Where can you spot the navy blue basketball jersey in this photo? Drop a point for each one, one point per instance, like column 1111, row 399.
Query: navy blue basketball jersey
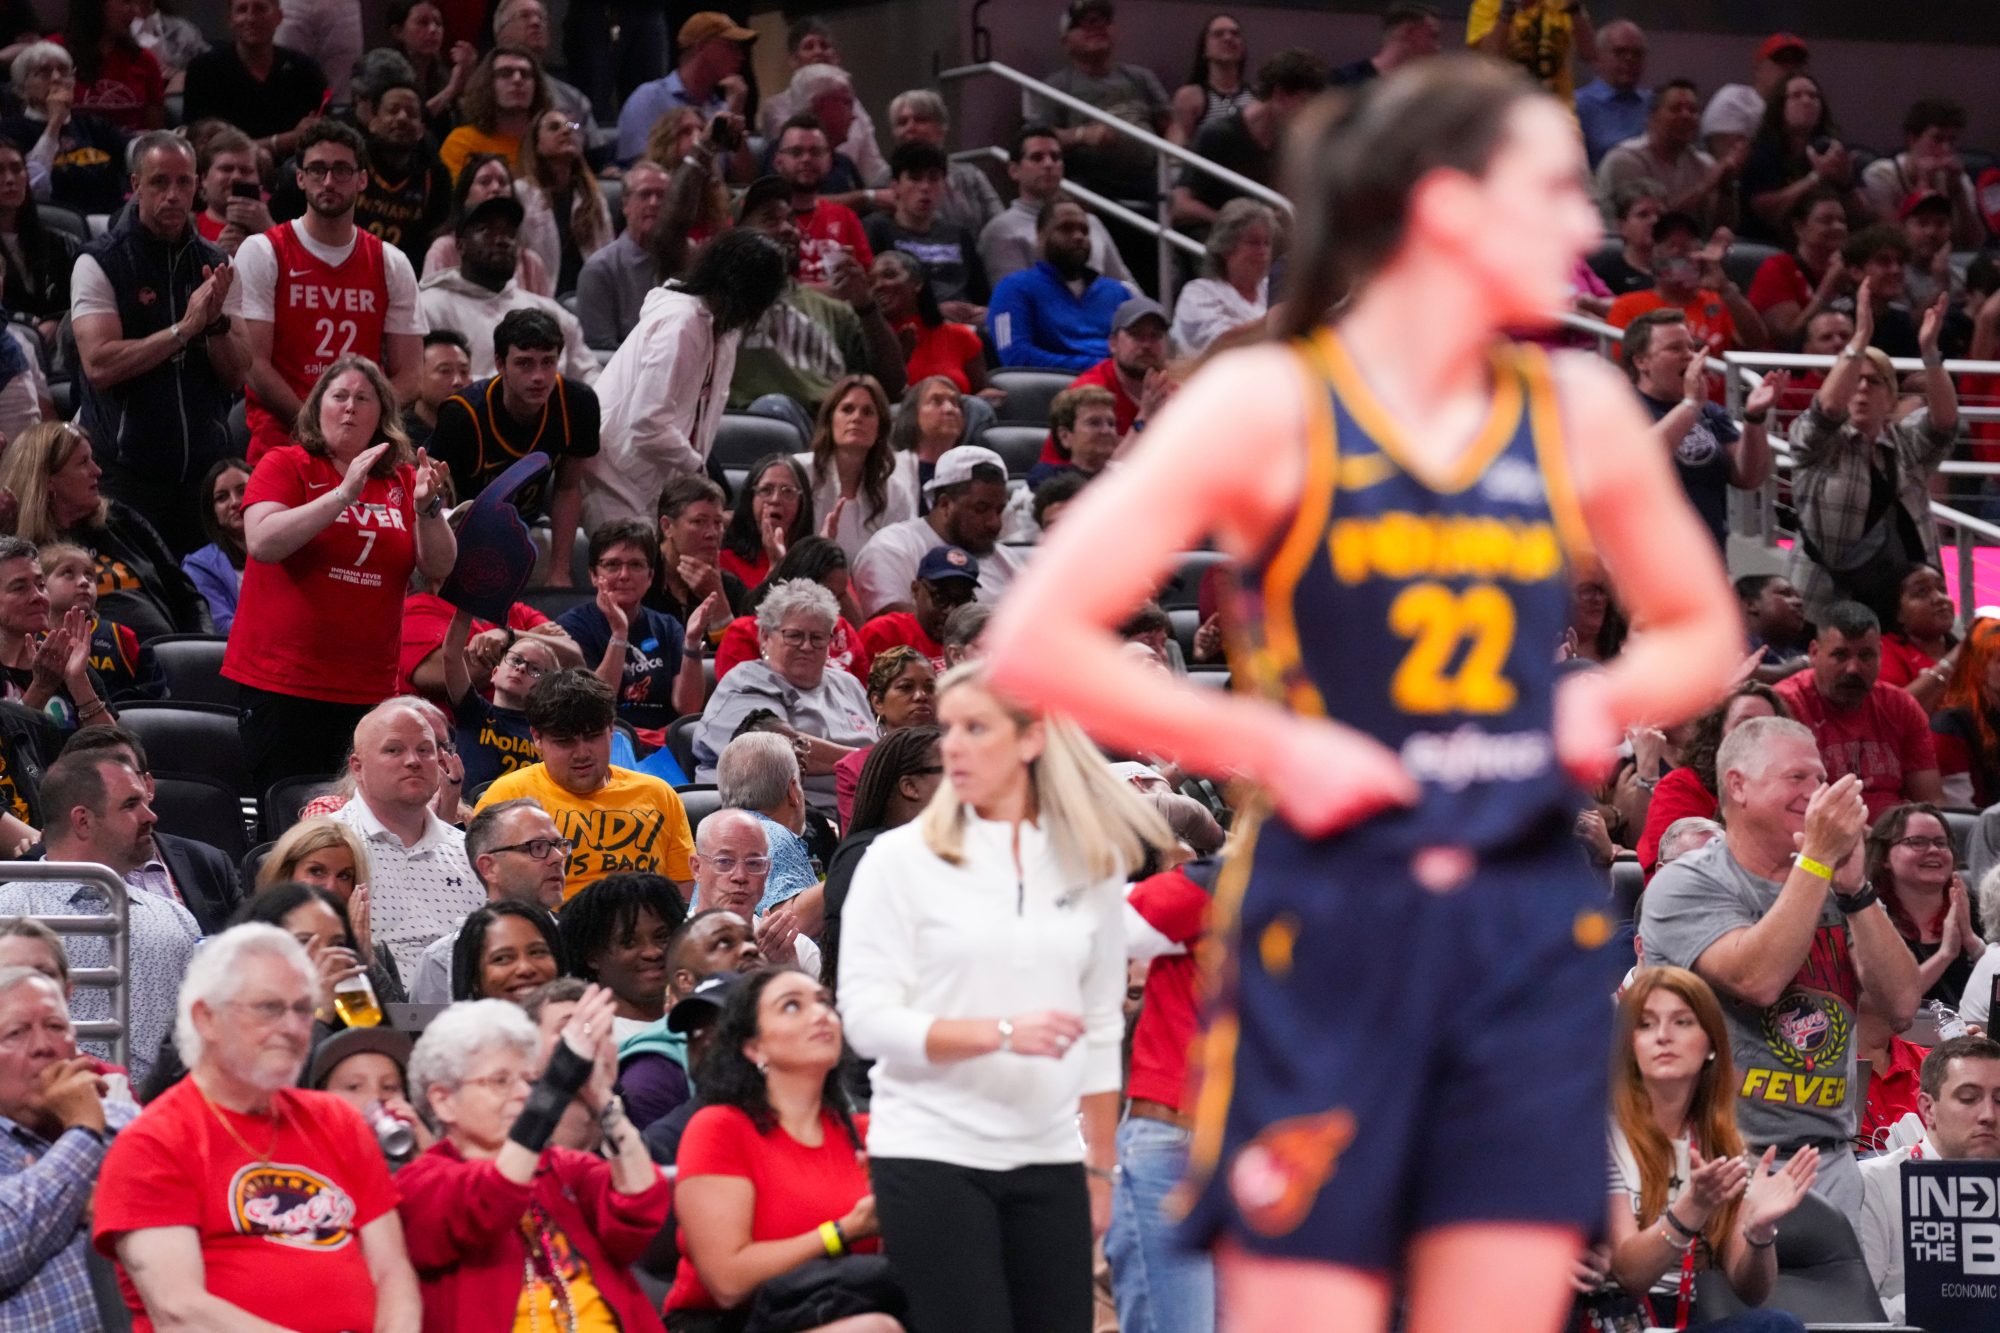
column 1426, row 611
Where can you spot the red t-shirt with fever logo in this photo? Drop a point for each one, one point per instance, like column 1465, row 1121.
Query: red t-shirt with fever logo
column 326, row 621
column 281, row 1238
column 320, row 313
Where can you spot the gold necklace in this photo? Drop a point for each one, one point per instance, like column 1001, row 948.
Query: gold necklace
column 263, row 1158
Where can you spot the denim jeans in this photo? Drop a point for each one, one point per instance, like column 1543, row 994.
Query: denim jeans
column 1160, row 1286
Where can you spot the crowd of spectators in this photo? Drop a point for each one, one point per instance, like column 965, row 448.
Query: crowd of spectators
column 577, row 916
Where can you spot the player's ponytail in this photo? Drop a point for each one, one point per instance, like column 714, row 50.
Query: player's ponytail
column 1354, row 161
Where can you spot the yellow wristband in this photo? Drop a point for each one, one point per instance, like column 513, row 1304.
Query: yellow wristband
column 829, row 1236
column 1812, row 867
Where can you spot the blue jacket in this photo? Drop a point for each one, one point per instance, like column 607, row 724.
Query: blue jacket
column 1036, row 320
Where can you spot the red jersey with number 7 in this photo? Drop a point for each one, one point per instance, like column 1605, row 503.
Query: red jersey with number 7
column 319, row 313
column 326, row 622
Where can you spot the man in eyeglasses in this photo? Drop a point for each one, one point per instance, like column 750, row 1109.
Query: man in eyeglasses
column 519, row 854
column 316, row 288
column 732, row 864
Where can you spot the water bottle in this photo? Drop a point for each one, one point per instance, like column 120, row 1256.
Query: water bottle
column 398, row 1140
column 1949, row 1024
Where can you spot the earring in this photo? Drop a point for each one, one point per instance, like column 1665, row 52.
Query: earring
column 764, row 1065
column 1709, row 1059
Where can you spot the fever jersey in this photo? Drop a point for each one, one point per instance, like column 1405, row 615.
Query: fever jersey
column 320, row 313
column 1425, row 610
column 326, row 622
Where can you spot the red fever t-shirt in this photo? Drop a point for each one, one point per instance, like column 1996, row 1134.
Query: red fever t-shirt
column 1881, row 742
column 901, row 628
column 326, row 622
column 282, row 1241
column 823, row 233
column 797, row 1187
column 320, row 313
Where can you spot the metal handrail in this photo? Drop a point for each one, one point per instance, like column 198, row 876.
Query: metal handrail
column 117, row 924
column 1165, row 152
column 1151, row 140
column 1092, row 199
column 1755, row 514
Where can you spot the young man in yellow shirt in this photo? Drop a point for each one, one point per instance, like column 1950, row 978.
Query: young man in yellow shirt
column 618, row 820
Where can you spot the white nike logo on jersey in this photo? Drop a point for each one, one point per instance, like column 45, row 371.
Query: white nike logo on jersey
column 318, row 485
column 298, row 273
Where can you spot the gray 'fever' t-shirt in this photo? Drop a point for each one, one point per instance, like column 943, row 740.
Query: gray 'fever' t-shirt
column 1794, row 1060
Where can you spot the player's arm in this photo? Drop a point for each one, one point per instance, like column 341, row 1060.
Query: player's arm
column 262, row 378
column 166, row 1267
column 1054, row 639
column 1664, row 564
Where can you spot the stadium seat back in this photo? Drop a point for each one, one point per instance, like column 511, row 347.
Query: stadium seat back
column 1183, row 589
column 280, row 808
column 1029, row 393
column 192, row 806
column 193, row 667
column 741, row 438
column 1019, row 446
column 1822, row 1277
column 192, row 738
column 699, row 799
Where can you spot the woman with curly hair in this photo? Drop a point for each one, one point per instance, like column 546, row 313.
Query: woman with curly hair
column 771, row 1172
column 334, row 525
column 902, row 689
column 505, row 951
column 1689, row 790
column 856, row 487
column 1683, row 1194
column 774, row 512
column 1910, row 864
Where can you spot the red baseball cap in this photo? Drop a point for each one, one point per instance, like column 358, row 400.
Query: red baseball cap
column 1916, row 199
column 1780, row 42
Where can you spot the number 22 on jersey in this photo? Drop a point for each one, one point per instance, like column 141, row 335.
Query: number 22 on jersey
column 1471, row 630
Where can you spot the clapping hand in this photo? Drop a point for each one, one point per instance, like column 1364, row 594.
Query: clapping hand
column 433, row 477
column 614, row 614
column 1864, row 315
column 831, row 525
column 1694, row 380
column 356, row 478
column 697, row 621
column 1771, row 1194
column 1713, row 1182
column 589, row 1024
column 1836, row 819
column 1765, row 396
column 1933, row 325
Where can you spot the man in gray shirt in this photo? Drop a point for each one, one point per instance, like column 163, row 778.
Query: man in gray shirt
column 1099, row 156
column 615, row 280
column 1007, row 243
column 1777, row 918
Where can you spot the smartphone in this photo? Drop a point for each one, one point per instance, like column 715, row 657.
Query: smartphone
column 246, row 190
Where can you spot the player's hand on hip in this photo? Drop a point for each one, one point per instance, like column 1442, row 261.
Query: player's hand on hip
column 1326, row 777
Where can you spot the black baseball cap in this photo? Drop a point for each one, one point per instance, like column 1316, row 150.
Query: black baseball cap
column 500, row 205
column 762, row 191
column 704, row 1003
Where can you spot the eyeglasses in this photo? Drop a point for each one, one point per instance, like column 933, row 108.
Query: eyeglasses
column 1925, row 844
column 775, row 491
column 520, row 663
column 274, row 1011
column 621, row 566
column 539, row 848
column 570, row 125
column 339, row 172
column 499, row 1083
column 726, row 865
column 798, row 638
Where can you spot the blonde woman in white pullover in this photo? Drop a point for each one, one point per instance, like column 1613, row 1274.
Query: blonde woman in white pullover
column 982, row 966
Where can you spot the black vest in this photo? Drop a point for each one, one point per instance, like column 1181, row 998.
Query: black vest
column 170, row 423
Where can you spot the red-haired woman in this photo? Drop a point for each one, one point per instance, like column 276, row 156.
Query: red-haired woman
column 1683, row 1195
column 1967, row 721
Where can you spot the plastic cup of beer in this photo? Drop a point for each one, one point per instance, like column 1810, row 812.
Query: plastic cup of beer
column 354, row 1000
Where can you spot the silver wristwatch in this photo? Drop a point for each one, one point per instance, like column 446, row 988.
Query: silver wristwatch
column 1006, row 1034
